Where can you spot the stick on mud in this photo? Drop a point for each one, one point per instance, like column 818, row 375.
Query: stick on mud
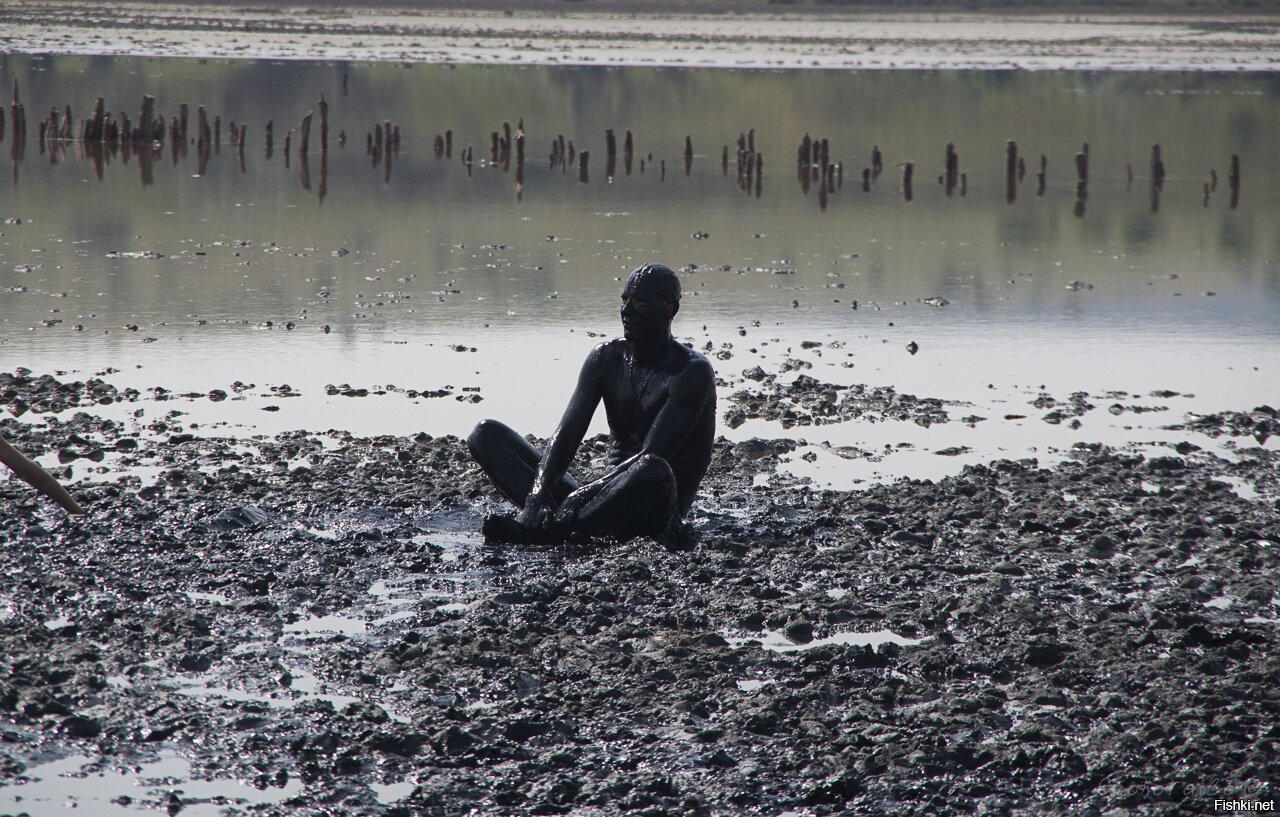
column 38, row 478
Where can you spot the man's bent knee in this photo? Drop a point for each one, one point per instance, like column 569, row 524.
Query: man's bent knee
column 486, row 433
column 652, row 467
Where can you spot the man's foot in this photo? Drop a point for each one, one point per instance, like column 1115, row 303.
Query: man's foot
column 503, row 529
column 678, row 536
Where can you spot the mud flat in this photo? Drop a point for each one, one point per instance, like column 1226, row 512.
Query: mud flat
column 620, row 36
column 309, row 623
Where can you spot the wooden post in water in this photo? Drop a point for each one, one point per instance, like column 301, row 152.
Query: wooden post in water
column 324, row 123
column 1082, row 179
column 908, row 172
column 269, row 132
column 952, row 167
column 93, row 128
column 1011, row 171
column 146, row 118
column 304, row 134
column 1234, row 180
column 202, row 123
column 18, row 114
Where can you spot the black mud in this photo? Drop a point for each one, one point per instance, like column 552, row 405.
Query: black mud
column 1095, row 638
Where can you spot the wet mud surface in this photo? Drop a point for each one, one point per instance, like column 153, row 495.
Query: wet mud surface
column 314, row 615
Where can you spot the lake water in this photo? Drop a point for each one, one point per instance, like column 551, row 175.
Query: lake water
column 412, row 270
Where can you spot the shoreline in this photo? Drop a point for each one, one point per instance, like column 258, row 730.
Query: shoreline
column 874, row 40
column 315, row 614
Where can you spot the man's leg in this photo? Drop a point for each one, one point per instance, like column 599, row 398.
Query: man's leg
column 509, row 460
column 640, row 501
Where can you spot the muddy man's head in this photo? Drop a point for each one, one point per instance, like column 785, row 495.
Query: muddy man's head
column 650, row 299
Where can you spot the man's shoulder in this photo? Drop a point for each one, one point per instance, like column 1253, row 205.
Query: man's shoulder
column 609, row 348
column 605, row 355
column 694, row 362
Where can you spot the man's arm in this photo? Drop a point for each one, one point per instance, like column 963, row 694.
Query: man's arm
column 566, row 439
column 690, row 391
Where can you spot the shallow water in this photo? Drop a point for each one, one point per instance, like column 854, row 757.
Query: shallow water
column 491, row 283
column 80, row 784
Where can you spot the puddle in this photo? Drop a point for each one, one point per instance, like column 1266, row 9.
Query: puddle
column 388, row 793
column 1240, row 487
column 212, row 598
column 453, row 544
column 776, row 641
column 320, row 626
column 89, row 787
column 752, row 684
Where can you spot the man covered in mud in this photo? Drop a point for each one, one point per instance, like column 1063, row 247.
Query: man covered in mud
column 660, row 402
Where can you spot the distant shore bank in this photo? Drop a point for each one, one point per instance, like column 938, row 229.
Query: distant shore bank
column 747, row 36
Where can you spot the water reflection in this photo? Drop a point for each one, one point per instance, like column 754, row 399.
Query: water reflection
column 491, row 237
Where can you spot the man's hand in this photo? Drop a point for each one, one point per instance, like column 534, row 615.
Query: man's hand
column 536, row 513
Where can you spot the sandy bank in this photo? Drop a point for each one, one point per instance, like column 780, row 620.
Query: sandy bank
column 871, row 41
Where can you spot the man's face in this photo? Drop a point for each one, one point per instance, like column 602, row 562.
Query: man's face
column 645, row 313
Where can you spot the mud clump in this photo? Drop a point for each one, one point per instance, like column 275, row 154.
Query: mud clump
column 316, row 612
column 807, row 401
